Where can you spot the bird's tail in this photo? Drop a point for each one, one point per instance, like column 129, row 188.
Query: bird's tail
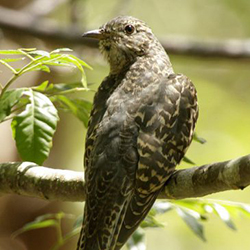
column 100, row 240
column 137, row 210
column 103, row 213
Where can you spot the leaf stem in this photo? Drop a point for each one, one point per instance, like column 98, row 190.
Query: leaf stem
column 11, row 80
column 8, row 118
column 8, row 66
column 16, row 73
column 27, row 54
column 70, row 91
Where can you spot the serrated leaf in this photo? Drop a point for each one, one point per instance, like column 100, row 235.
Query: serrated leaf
column 8, row 100
column 192, row 222
column 137, row 241
column 224, row 215
column 79, row 107
column 33, row 129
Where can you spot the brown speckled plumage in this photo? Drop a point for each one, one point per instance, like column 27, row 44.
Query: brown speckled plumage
column 141, row 125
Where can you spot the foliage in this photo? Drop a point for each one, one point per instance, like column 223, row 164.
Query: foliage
column 50, row 220
column 192, row 211
column 34, row 110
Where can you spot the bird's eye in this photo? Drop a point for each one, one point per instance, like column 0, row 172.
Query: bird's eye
column 129, row 29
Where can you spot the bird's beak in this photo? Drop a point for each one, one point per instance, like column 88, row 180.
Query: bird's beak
column 96, row 34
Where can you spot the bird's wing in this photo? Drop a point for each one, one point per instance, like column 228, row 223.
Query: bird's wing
column 166, row 121
column 110, row 164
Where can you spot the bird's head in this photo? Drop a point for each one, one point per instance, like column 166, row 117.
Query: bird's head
column 123, row 39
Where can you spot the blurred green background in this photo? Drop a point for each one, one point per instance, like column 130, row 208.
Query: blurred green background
column 223, row 86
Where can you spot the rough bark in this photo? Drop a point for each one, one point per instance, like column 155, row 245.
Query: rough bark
column 29, row 179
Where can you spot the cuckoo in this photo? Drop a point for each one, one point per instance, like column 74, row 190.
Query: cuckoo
column 140, row 127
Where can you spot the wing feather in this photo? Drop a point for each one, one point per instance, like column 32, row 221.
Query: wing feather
column 166, row 122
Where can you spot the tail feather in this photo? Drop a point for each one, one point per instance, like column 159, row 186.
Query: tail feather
column 137, row 210
column 103, row 215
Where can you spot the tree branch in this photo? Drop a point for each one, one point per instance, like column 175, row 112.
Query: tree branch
column 28, row 179
column 48, row 6
column 16, row 21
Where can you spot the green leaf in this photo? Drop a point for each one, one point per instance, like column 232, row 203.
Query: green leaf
column 35, row 225
column 151, row 221
column 10, row 52
column 137, row 240
column 37, row 66
column 60, row 50
column 78, row 222
column 187, row 160
column 59, row 63
column 40, row 53
column 65, row 60
column 162, row 207
column 33, row 129
column 27, row 49
column 245, row 209
column 197, row 205
column 8, row 100
column 83, row 110
column 199, row 139
column 70, row 59
column 81, row 62
column 13, row 59
column 42, row 87
column 191, row 219
column 224, row 215
column 66, row 86
column 59, row 87
column 68, row 236
column 57, row 216
column 79, row 107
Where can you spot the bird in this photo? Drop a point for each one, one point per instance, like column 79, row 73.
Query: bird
column 141, row 125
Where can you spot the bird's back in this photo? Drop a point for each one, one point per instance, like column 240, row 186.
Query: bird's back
column 135, row 142
column 141, row 125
